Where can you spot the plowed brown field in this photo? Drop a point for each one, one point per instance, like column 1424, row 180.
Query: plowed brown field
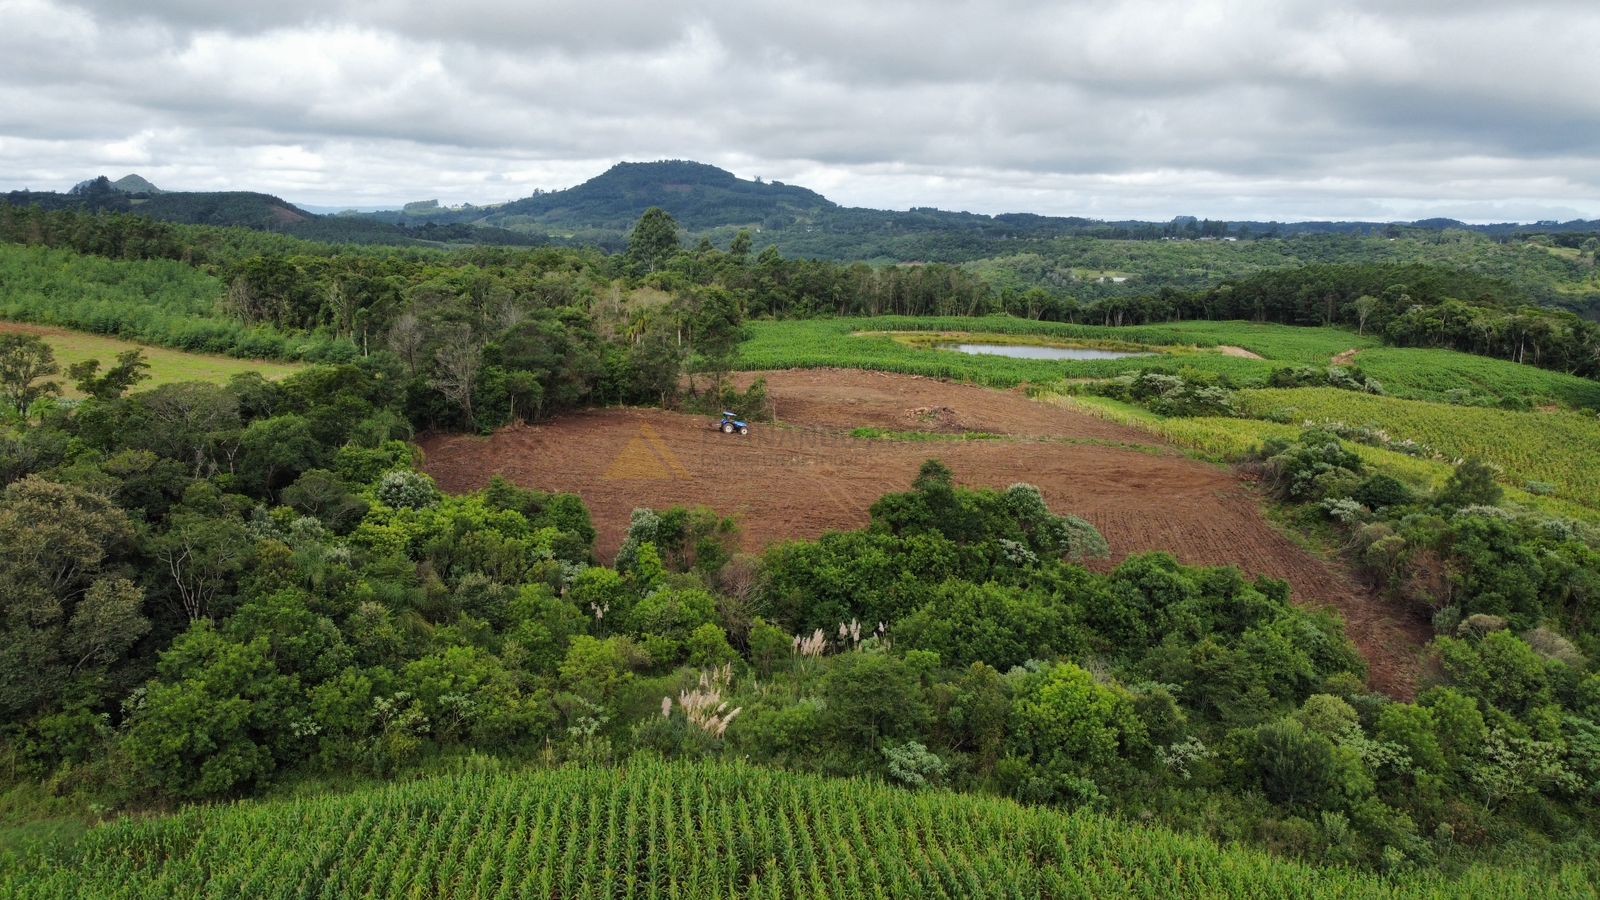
column 806, row 475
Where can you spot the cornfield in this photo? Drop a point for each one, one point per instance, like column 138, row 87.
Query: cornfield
column 1434, row 374
column 1558, row 448
column 653, row 829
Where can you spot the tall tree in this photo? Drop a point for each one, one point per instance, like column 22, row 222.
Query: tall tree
column 25, row 361
column 653, row 242
column 459, row 360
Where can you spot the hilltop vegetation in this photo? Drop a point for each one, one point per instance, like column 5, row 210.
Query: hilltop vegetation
column 1085, row 260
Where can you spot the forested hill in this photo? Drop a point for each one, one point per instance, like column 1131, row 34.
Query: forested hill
column 697, row 195
column 249, row 209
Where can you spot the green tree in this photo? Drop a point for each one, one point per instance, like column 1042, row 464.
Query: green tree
column 768, row 645
column 1364, row 306
column 596, row 670
column 716, row 326
column 1471, row 484
column 872, row 697
column 201, row 557
column 1295, row 766
column 218, row 719
column 275, row 451
column 1065, row 719
column 66, row 616
column 708, row 646
column 25, row 361
column 130, row 369
column 654, row 241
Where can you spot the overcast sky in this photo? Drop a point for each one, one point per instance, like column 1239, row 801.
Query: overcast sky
column 1287, row 109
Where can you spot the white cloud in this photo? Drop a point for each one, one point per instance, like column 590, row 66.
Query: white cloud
column 1223, row 108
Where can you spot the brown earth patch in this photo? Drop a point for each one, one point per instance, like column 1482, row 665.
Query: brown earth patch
column 24, row 328
column 1240, row 352
column 806, row 476
column 1347, row 357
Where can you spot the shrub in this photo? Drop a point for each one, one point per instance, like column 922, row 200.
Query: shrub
column 1189, row 393
column 914, row 765
column 406, row 489
column 1472, row 484
column 1379, row 492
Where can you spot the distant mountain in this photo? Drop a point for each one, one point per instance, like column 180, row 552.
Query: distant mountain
column 699, row 196
column 135, row 184
column 712, row 202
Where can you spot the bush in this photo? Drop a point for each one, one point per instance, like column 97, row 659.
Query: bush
column 1379, row 492
column 1472, row 484
column 1188, row 393
column 914, row 765
column 406, row 489
column 1348, row 379
column 1317, row 466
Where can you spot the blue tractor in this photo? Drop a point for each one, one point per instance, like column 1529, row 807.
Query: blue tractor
column 731, row 423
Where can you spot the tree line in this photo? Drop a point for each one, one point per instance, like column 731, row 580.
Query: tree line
column 416, row 300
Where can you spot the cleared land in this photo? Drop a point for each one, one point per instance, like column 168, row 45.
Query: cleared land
column 808, row 475
column 165, row 365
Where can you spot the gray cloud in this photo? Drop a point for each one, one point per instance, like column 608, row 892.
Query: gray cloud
column 1226, row 108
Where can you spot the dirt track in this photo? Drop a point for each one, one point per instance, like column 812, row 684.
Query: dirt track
column 806, row 476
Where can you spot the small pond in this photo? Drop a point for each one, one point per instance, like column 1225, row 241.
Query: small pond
column 1025, row 351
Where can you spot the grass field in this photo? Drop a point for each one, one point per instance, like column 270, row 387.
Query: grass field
column 165, row 365
column 653, row 829
column 869, row 343
column 880, row 343
column 1234, row 440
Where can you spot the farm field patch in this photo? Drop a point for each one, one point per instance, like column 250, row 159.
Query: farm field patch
column 1555, row 448
column 166, row 365
column 690, row 829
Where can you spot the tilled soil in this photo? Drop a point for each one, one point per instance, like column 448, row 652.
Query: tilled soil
column 806, row 475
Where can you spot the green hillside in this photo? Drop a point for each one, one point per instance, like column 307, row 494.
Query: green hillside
column 653, row 829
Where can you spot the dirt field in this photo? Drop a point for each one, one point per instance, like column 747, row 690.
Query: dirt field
column 806, row 475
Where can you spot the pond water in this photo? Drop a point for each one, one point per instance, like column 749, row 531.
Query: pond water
column 1024, row 351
